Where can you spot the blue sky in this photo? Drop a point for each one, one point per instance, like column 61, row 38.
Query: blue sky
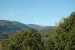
column 41, row 12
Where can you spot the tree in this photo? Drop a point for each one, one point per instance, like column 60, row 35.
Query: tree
column 64, row 36
column 25, row 40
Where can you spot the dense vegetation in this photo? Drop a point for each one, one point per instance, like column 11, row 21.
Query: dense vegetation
column 25, row 40
column 64, row 36
column 61, row 38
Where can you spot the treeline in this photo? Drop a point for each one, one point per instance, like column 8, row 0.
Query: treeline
column 62, row 38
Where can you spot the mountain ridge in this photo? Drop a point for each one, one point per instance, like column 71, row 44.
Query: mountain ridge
column 11, row 27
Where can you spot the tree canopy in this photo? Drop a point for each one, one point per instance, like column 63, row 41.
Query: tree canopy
column 64, row 36
column 25, row 40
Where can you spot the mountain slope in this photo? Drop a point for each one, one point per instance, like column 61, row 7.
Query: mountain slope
column 10, row 28
column 34, row 26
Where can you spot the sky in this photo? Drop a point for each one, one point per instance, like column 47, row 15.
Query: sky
column 40, row 12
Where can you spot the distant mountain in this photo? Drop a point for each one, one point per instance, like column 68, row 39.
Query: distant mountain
column 11, row 27
column 34, row 26
column 8, row 28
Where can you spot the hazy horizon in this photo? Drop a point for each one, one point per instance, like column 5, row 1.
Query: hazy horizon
column 40, row 12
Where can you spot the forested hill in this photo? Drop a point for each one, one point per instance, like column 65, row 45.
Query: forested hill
column 8, row 28
column 11, row 26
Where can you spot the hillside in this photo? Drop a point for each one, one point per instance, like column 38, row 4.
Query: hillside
column 10, row 28
column 34, row 26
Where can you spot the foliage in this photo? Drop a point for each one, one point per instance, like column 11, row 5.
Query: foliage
column 64, row 36
column 25, row 40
